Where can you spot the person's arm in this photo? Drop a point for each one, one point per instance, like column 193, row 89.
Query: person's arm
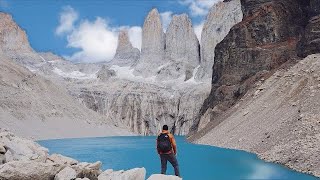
column 173, row 143
column 157, row 146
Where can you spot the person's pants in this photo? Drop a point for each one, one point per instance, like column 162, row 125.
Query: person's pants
column 173, row 160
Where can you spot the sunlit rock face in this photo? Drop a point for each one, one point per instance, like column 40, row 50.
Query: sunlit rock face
column 182, row 49
column 144, row 107
column 126, row 54
column 266, row 38
column 222, row 16
column 153, row 45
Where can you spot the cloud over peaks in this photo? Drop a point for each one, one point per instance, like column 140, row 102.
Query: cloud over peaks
column 68, row 17
column 96, row 40
column 199, row 7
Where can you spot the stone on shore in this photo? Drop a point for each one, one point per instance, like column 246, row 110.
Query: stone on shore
column 29, row 170
column 66, row 174
column 136, row 174
column 163, row 177
column 60, row 159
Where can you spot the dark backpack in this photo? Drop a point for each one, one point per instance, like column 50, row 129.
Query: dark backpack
column 164, row 144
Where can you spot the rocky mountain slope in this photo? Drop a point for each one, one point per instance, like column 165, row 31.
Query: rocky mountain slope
column 267, row 37
column 33, row 106
column 278, row 119
column 257, row 102
column 139, row 91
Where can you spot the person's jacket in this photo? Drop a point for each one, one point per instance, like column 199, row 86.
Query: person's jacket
column 172, row 141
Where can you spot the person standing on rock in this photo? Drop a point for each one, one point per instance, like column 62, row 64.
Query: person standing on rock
column 167, row 149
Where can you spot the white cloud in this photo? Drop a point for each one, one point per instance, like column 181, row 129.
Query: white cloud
column 135, row 36
column 166, row 19
column 68, row 17
column 96, row 40
column 199, row 7
column 198, row 30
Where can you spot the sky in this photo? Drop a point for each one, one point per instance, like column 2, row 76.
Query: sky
column 87, row 30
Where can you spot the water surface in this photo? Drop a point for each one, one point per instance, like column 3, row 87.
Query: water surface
column 196, row 161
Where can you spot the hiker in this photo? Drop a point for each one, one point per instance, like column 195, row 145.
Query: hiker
column 167, row 149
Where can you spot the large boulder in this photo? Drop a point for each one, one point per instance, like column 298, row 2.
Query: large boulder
column 21, row 148
column 163, row 177
column 29, row 170
column 2, row 154
column 88, row 170
column 66, row 174
column 63, row 160
column 136, row 174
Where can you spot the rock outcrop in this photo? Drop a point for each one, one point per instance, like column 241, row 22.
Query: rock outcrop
column 105, row 73
column 12, row 37
column 14, row 42
column 265, row 39
column 222, row 16
column 126, row 54
column 153, row 45
column 182, row 49
column 136, row 173
column 3, row 151
column 26, row 170
column 66, row 174
column 311, row 37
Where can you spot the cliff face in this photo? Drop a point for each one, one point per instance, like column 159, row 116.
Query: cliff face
column 153, row 45
column 12, row 37
column 144, row 107
column 263, row 98
column 182, row 49
column 266, row 38
column 278, row 119
column 222, row 16
column 310, row 39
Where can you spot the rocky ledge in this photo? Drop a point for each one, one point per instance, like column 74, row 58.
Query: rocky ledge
column 24, row 159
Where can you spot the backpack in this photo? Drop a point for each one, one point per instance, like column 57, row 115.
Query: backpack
column 164, row 144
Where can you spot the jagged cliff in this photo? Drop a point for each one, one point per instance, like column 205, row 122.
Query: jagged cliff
column 261, row 99
column 266, row 38
column 126, row 54
column 153, row 44
column 222, row 16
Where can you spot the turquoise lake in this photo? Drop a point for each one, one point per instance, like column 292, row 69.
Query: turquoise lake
column 195, row 161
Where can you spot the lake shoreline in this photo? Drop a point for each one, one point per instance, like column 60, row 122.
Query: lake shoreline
column 259, row 155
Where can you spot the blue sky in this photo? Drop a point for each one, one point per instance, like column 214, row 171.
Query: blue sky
column 83, row 30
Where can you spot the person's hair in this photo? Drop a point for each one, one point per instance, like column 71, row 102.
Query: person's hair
column 165, row 127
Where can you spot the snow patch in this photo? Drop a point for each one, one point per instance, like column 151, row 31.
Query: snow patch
column 127, row 73
column 74, row 74
column 193, row 80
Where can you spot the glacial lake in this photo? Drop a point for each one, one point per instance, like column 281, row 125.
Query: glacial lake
column 195, row 161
